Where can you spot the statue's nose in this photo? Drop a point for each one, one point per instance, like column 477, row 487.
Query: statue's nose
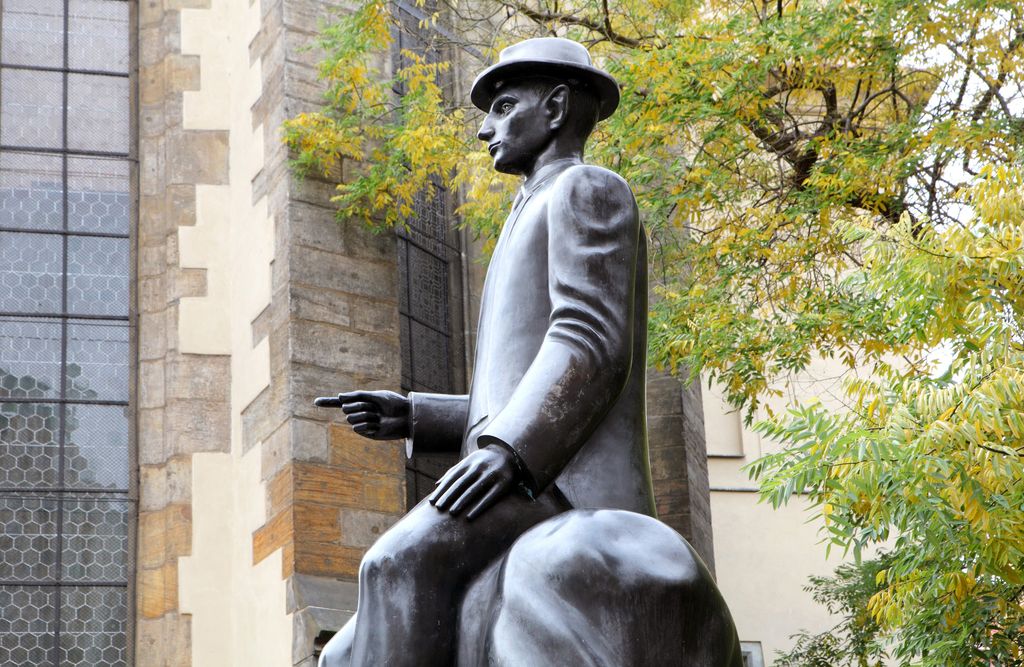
column 486, row 132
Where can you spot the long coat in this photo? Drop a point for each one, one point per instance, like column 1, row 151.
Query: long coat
column 559, row 376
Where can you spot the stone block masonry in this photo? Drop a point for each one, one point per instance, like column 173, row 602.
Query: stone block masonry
column 254, row 506
column 182, row 399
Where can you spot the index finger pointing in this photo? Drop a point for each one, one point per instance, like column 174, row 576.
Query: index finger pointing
column 352, row 407
column 353, row 396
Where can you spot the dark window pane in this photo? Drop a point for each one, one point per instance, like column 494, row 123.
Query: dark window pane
column 93, row 627
column 99, row 195
column 96, row 447
column 428, row 287
column 33, row 32
column 29, row 358
column 98, row 113
column 30, row 272
column 404, row 277
column 95, row 541
column 30, row 191
column 98, row 35
column 27, row 619
column 406, row 354
column 29, row 445
column 431, row 365
column 97, row 275
column 28, row 540
column 31, row 109
column 97, row 361
column 429, row 222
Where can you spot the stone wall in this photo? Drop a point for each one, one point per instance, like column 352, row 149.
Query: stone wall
column 182, row 398
column 675, row 422
column 255, row 506
column 333, row 326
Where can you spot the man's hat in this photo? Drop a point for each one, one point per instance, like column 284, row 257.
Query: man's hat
column 547, row 56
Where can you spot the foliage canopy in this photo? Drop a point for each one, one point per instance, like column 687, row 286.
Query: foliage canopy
column 838, row 178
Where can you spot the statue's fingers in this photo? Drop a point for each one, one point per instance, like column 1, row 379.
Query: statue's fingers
column 391, row 426
column 455, row 488
column 470, row 494
column 356, row 397
column 363, row 418
column 442, row 484
column 366, row 429
column 328, row 402
column 358, row 406
column 492, row 495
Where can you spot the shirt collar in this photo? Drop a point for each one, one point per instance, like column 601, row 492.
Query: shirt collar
column 542, row 175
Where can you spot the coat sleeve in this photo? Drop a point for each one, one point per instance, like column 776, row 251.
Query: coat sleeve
column 437, row 422
column 584, row 359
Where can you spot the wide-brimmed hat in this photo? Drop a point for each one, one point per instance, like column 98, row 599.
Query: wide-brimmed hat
column 546, row 56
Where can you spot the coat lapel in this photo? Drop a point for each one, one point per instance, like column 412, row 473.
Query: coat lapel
column 479, row 394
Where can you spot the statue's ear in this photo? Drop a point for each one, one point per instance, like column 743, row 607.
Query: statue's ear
column 557, row 106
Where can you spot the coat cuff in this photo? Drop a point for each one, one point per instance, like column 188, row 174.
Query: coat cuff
column 437, row 422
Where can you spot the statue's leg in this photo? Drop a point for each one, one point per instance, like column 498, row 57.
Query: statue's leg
column 411, row 580
column 338, row 651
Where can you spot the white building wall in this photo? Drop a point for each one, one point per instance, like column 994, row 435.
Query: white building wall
column 764, row 557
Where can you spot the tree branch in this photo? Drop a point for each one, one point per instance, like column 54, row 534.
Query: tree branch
column 603, row 28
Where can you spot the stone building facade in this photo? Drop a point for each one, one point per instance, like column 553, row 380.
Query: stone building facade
column 254, row 506
column 246, row 509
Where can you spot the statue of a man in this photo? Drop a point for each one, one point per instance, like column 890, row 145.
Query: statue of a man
column 555, row 419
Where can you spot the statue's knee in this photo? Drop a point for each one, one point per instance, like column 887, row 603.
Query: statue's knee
column 384, row 561
column 549, row 564
column 376, row 563
column 415, row 548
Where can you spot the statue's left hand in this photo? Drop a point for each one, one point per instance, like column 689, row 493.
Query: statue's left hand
column 476, row 482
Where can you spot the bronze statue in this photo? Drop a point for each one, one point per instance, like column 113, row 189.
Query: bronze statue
column 553, row 431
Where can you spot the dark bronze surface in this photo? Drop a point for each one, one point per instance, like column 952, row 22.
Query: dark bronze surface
column 539, row 547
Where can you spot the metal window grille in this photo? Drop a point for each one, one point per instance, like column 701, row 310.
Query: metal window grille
column 66, row 507
column 429, row 284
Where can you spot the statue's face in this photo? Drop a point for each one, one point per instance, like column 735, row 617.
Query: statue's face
column 516, row 128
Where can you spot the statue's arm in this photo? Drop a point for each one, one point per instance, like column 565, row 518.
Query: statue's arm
column 428, row 422
column 437, row 422
column 584, row 360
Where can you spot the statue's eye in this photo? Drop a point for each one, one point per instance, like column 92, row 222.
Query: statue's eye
column 505, row 107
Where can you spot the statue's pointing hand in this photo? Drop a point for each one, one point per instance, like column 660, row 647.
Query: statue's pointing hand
column 476, row 482
column 379, row 415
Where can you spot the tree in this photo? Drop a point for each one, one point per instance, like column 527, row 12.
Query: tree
column 932, row 460
column 838, row 178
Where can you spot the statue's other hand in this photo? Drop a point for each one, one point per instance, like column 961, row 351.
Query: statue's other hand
column 379, row 415
column 476, row 482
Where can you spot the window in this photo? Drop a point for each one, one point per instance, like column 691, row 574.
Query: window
column 65, row 216
column 752, row 655
column 428, row 263
column 429, row 286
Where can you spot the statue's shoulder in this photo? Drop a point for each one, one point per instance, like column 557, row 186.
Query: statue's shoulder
column 594, row 194
column 583, row 177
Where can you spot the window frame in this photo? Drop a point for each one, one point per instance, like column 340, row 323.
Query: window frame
column 68, row 153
